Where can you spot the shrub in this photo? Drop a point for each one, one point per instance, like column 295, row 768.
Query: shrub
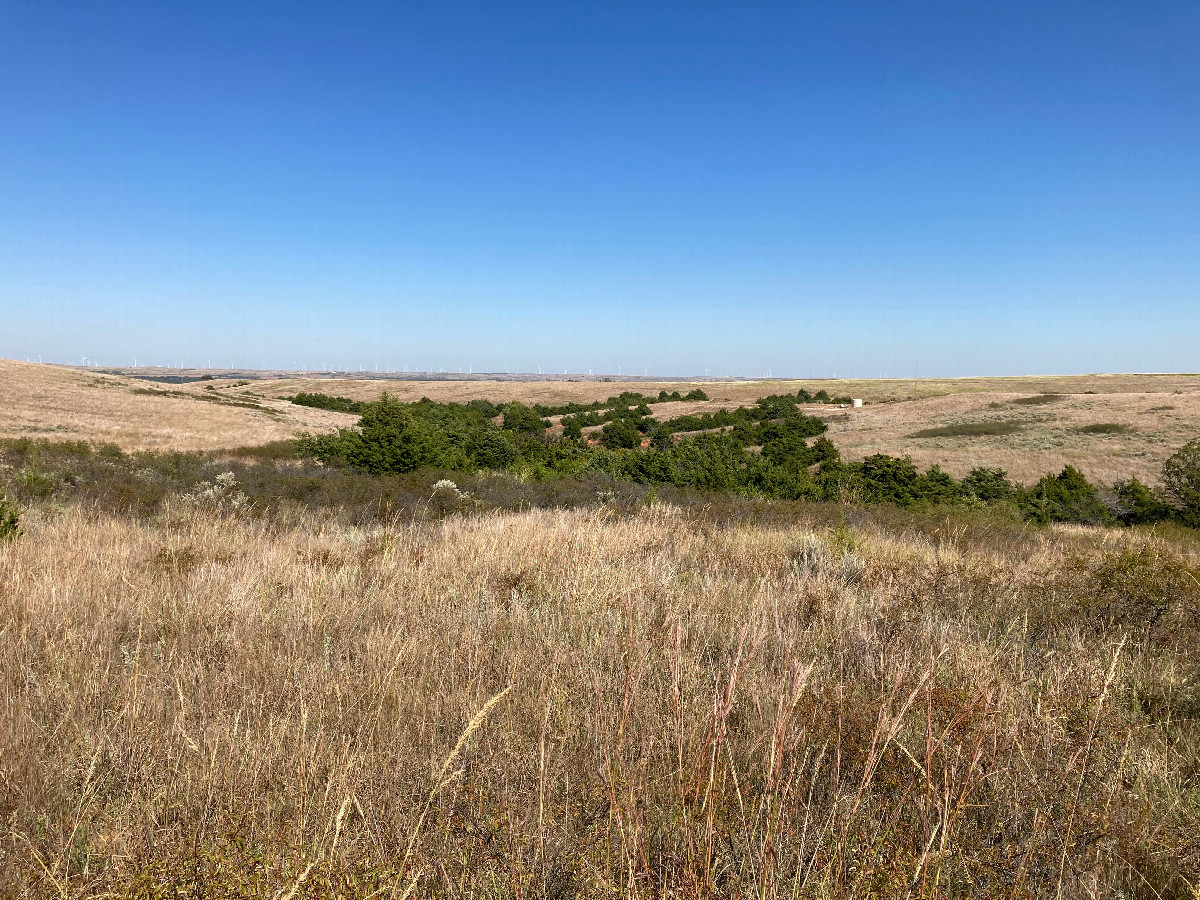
column 989, row 485
column 286, row 449
column 1065, row 497
column 1181, row 481
column 326, row 401
column 10, row 521
column 1037, row 399
column 1144, row 587
column 886, row 479
column 485, row 408
column 392, row 441
column 970, row 429
column 221, row 494
column 1137, row 504
column 1105, row 428
column 695, row 394
column 937, row 486
column 519, row 417
column 621, row 433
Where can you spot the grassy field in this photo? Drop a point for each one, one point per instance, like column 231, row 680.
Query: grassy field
column 58, row 403
column 316, row 683
column 715, row 698
column 1158, row 413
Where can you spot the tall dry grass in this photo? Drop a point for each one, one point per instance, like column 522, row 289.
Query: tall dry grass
column 584, row 704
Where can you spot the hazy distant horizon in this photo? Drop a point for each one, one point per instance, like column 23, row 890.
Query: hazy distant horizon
column 851, row 190
column 151, row 370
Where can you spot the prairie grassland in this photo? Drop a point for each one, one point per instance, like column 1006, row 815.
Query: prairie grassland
column 689, row 705
column 1049, row 435
column 732, row 392
column 55, row 402
column 1162, row 413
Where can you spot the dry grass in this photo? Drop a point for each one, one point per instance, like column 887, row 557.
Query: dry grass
column 206, row 706
column 1161, row 412
column 68, row 404
column 734, row 392
column 1048, row 437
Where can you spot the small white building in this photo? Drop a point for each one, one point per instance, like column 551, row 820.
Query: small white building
column 856, row 403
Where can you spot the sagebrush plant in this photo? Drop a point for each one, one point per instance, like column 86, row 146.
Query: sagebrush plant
column 731, row 699
column 222, row 494
column 448, row 496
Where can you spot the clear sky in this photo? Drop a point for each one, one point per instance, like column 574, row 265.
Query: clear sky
column 808, row 189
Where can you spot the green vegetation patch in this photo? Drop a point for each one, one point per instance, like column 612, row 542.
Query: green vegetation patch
column 204, row 398
column 970, row 429
column 10, row 520
column 1038, row 399
column 1105, row 428
column 327, row 401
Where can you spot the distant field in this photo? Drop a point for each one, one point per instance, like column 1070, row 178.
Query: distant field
column 873, row 390
column 64, row 404
column 1162, row 412
column 1050, row 421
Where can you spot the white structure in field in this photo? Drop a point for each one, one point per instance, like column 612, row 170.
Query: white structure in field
column 856, row 403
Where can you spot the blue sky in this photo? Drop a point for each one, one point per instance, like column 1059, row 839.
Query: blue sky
column 807, row 189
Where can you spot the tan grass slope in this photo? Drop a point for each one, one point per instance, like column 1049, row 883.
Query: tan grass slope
column 1159, row 413
column 59, row 403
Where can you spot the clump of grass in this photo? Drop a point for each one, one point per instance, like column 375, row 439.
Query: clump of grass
column 812, row 558
column 970, row 429
column 1105, row 428
column 1037, row 399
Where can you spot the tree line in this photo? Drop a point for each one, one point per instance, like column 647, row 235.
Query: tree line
column 771, row 449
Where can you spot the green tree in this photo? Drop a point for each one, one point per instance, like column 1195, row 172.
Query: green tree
column 392, row 441
column 621, row 433
column 519, row 417
column 1137, row 504
column 989, row 485
column 1181, row 481
column 938, row 486
column 485, row 408
column 490, row 449
column 1065, row 497
column 887, row 479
